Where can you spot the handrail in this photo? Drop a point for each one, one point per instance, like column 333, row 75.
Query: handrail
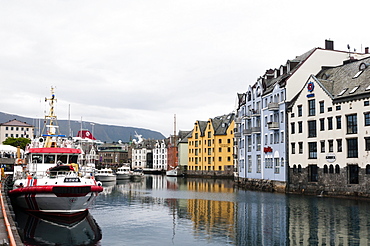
column 6, row 221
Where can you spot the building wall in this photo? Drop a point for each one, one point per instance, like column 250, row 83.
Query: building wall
column 338, row 172
column 16, row 132
column 160, row 155
column 210, row 153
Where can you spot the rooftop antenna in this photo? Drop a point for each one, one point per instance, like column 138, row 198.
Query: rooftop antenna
column 349, row 50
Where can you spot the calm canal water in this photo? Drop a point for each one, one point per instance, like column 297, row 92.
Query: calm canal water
column 160, row 210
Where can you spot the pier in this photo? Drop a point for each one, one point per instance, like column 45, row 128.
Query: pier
column 8, row 230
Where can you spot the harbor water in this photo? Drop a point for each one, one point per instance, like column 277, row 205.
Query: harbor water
column 160, row 210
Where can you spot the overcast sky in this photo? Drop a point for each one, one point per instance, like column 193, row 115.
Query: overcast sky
column 137, row 63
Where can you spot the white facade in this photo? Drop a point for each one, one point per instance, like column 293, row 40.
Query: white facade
column 262, row 118
column 160, row 155
column 139, row 158
column 16, row 129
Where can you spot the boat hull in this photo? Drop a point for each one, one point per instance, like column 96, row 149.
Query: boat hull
column 54, row 199
column 105, row 178
column 172, row 173
column 121, row 176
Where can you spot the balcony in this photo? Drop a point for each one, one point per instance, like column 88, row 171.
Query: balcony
column 273, row 106
column 237, row 135
column 273, row 125
column 238, row 120
column 256, row 129
column 247, row 131
column 255, row 113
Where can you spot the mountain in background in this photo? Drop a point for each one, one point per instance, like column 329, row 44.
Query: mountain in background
column 104, row 133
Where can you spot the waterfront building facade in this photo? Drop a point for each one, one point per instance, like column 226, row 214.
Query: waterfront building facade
column 330, row 132
column 183, row 150
column 16, row 129
column 160, row 155
column 142, row 154
column 210, row 146
column 261, row 131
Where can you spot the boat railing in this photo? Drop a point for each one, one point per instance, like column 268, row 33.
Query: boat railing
column 58, row 174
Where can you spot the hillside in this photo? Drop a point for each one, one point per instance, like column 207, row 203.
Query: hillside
column 105, row 133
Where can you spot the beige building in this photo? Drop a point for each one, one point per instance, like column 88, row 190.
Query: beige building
column 16, row 129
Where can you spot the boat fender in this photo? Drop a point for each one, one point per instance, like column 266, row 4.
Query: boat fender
column 99, row 183
column 41, row 140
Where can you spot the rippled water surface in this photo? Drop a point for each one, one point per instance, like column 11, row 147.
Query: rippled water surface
column 176, row 211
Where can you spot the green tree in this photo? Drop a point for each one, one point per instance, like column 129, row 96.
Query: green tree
column 22, row 142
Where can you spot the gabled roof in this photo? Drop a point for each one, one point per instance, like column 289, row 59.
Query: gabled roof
column 222, row 123
column 16, row 122
column 294, row 66
column 348, row 81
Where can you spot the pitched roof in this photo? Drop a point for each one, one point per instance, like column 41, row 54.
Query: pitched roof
column 348, row 81
column 16, row 122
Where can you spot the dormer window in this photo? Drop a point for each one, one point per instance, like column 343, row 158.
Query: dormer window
column 353, row 90
column 342, row 92
column 361, row 68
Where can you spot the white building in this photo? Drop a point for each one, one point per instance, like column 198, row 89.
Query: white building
column 330, row 132
column 16, row 129
column 160, row 155
column 261, row 134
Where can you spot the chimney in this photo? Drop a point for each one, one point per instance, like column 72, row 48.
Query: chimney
column 366, row 50
column 329, row 45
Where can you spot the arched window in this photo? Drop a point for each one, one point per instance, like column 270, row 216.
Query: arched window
column 331, row 168
column 337, row 169
column 367, row 169
column 325, row 168
column 294, row 168
column 299, row 168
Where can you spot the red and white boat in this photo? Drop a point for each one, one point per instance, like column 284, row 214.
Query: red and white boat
column 50, row 180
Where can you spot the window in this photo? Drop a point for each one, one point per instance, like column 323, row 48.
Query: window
column 339, row 122
column 312, row 128
column 366, row 103
column 331, row 168
column 293, row 148
column 325, row 168
column 292, row 127
column 322, row 146
column 367, row 169
column 312, row 173
column 367, row 143
column 352, row 148
column 330, row 123
column 338, row 107
column 322, row 124
column 299, row 110
column 300, row 127
column 330, row 109
column 353, row 174
column 337, row 169
column 331, row 145
column 311, row 107
column 339, row 145
column 367, row 118
column 321, row 107
column 312, row 150
column 300, row 147
column 351, row 124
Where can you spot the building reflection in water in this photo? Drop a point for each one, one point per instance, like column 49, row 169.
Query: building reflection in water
column 211, row 211
column 213, row 215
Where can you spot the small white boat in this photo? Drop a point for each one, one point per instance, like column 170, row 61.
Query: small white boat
column 137, row 174
column 173, row 172
column 123, row 173
column 105, row 175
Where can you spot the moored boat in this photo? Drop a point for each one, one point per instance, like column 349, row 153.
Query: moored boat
column 137, row 174
column 50, row 181
column 105, row 175
column 123, row 172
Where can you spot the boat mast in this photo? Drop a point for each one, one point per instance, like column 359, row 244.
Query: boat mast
column 51, row 123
